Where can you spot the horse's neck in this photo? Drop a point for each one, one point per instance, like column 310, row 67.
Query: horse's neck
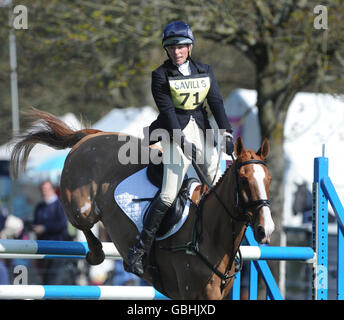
column 232, row 230
column 218, row 216
column 225, row 189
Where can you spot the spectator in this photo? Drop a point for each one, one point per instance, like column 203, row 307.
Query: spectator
column 50, row 223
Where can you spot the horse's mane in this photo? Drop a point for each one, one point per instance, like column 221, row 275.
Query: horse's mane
column 223, row 176
column 248, row 153
column 219, row 182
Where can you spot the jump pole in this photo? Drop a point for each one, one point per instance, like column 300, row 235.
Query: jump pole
column 59, row 292
column 48, row 249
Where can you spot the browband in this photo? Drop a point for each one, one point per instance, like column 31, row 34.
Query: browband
column 250, row 162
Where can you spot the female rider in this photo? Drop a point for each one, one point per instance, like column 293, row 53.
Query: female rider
column 180, row 87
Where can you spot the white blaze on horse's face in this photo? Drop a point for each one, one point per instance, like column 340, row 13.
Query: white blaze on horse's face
column 269, row 226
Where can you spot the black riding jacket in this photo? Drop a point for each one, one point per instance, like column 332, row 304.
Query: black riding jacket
column 171, row 117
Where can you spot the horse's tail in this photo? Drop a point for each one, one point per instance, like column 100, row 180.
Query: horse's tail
column 48, row 130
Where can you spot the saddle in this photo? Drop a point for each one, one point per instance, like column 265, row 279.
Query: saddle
column 155, row 174
column 134, row 194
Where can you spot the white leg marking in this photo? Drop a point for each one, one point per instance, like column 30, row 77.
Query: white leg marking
column 86, row 206
column 259, row 175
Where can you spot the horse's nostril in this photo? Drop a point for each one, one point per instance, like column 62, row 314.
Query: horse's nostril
column 260, row 233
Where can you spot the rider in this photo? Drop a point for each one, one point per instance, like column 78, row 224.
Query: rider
column 180, row 87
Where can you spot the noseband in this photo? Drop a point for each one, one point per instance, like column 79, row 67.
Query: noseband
column 240, row 204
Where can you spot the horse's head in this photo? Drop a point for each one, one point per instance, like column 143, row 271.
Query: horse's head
column 252, row 188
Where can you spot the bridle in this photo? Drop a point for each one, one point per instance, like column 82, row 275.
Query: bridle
column 241, row 206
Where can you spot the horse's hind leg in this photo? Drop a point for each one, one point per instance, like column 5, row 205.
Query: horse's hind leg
column 95, row 255
column 83, row 214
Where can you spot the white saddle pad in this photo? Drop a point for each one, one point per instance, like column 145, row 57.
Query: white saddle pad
column 137, row 186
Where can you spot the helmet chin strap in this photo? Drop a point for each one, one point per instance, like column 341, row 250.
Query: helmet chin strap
column 167, row 53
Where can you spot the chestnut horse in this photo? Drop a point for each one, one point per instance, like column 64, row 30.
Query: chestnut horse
column 197, row 262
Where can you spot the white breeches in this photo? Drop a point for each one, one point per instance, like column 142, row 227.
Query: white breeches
column 176, row 164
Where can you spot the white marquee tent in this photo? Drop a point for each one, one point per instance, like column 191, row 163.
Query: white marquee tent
column 129, row 120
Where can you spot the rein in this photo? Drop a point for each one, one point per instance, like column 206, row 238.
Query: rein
column 192, row 247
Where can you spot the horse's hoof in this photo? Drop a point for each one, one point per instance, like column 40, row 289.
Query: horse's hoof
column 95, row 259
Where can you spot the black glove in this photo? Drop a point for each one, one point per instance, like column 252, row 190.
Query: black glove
column 229, row 146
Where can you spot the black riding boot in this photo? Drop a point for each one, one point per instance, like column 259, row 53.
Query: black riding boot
column 151, row 225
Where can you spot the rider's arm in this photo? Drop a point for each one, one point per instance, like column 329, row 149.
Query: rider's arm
column 162, row 97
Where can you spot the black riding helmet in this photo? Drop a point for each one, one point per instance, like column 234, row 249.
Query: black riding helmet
column 177, row 32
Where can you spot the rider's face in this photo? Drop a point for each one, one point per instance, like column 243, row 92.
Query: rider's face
column 179, row 53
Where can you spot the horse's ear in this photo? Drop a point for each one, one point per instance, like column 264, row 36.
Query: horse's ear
column 238, row 147
column 264, row 149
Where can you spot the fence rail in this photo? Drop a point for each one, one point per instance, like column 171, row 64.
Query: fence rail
column 79, row 292
column 46, row 249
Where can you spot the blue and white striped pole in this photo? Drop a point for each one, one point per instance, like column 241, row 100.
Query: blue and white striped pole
column 79, row 292
column 46, row 249
column 277, row 253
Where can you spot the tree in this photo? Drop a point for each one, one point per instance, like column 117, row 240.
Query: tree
column 88, row 57
column 82, row 56
column 290, row 53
